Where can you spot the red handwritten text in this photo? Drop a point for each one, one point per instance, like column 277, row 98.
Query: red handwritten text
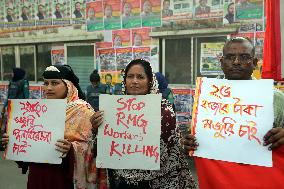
column 20, row 148
column 127, row 119
column 216, row 107
column 223, row 91
column 247, row 109
column 32, row 134
column 226, row 127
column 128, row 149
column 125, row 135
column 249, row 129
column 33, row 108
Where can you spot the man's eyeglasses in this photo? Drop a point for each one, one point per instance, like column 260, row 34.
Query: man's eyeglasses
column 241, row 57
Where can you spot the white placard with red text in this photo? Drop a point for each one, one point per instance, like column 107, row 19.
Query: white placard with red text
column 232, row 118
column 129, row 137
column 34, row 126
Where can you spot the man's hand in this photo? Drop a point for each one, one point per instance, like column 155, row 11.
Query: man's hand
column 189, row 143
column 274, row 138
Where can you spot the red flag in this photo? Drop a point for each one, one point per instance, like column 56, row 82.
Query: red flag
column 214, row 174
column 272, row 42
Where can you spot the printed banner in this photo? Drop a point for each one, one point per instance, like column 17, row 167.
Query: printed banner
column 209, row 58
column 130, row 132
column 34, row 126
column 44, row 13
column 61, row 12
column 95, row 16
column 131, row 14
column 227, row 117
column 151, row 13
column 121, row 38
column 57, row 55
column 112, row 13
column 140, row 37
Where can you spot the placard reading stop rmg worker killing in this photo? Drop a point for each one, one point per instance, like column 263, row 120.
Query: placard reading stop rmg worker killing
column 129, row 137
column 230, row 119
column 34, row 126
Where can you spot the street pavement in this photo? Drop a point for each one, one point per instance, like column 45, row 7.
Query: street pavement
column 11, row 176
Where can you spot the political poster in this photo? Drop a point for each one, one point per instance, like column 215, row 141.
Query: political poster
column 61, row 12
column 210, row 58
column 248, row 10
column 183, row 101
column 12, row 13
column 229, row 12
column 107, row 59
column 27, row 13
column 130, row 14
column 141, row 37
column 78, row 14
column 176, row 10
column 123, row 57
column 95, row 16
column 3, row 93
column 112, row 14
column 35, row 92
column 151, row 13
column 121, row 38
column 142, row 53
column 2, row 14
column 44, row 13
column 57, row 55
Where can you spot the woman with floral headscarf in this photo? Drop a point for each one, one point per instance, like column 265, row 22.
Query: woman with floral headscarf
column 174, row 171
column 77, row 170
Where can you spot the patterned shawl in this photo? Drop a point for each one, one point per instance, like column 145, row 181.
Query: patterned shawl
column 174, row 171
column 78, row 131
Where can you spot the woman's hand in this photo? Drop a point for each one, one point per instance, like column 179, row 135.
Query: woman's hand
column 5, row 140
column 97, row 119
column 274, row 137
column 63, row 146
column 189, row 143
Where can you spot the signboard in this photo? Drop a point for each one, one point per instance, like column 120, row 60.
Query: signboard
column 227, row 116
column 130, row 132
column 34, row 126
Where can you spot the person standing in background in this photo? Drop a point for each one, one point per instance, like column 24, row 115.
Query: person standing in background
column 94, row 90
column 18, row 88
